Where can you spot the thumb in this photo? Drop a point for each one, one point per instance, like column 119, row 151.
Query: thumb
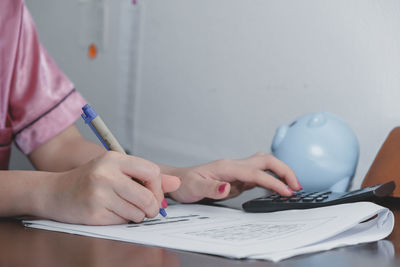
column 213, row 189
column 169, row 183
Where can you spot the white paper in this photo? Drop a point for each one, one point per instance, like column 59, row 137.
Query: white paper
column 236, row 234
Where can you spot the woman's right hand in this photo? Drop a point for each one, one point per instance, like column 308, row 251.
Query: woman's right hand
column 102, row 192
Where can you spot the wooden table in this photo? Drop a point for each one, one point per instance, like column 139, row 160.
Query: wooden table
column 20, row 246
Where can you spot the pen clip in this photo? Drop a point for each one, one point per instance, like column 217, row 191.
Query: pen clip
column 88, row 115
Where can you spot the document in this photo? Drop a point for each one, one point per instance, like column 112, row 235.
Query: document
column 237, row 234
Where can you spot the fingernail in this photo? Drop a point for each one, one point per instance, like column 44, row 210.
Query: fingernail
column 301, row 188
column 291, row 191
column 221, row 188
column 164, row 203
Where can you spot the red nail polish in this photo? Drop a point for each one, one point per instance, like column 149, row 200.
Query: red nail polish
column 221, row 188
column 164, row 204
column 301, row 188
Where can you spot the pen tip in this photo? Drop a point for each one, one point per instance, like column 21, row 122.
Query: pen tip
column 163, row 212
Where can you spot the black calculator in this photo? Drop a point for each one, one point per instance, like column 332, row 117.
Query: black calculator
column 308, row 200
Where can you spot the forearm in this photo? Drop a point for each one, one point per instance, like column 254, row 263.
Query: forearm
column 65, row 151
column 23, row 192
column 75, row 154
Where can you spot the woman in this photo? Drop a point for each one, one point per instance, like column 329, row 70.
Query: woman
column 77, row 181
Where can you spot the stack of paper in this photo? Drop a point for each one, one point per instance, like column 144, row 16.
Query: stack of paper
column 236, row 234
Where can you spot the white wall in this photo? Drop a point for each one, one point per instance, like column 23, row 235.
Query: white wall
column 217, row 77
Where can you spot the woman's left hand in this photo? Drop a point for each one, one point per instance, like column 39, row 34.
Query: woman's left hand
column 228, row 178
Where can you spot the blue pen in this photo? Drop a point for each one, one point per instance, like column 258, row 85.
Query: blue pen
column 105, row 136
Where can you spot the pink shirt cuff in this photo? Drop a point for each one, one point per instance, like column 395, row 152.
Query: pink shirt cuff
column 51, row 123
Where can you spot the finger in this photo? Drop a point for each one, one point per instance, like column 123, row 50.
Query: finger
column 135, row 167
column 169, row 183
column 137, row 195
column 126, row 210
column 143, row 170
column 106, row 217
column 266, row 180
column 115, row 219
column 268, row 162
column 212, row 189
column 253, row 175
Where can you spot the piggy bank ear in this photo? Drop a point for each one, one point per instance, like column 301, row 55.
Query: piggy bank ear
column 278, row 138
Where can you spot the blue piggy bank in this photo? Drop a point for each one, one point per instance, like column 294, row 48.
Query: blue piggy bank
column 321, row 149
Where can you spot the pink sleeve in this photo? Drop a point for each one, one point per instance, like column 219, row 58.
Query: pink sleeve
column 42, row 102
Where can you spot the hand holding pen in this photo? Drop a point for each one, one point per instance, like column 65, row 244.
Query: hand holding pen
column 110, row 143
column 102, row 192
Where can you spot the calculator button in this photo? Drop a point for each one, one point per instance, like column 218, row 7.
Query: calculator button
column 319, row 199
column 294, row 199
column 313, row 194
column 281, row 199
column 263, row 199
column 326, row 193
column 308, row 199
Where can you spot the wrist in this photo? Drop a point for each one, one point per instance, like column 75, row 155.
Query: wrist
column 42, row 199
column 24, row 192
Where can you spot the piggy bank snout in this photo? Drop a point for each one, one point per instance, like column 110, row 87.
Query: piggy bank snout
column 279, row 136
